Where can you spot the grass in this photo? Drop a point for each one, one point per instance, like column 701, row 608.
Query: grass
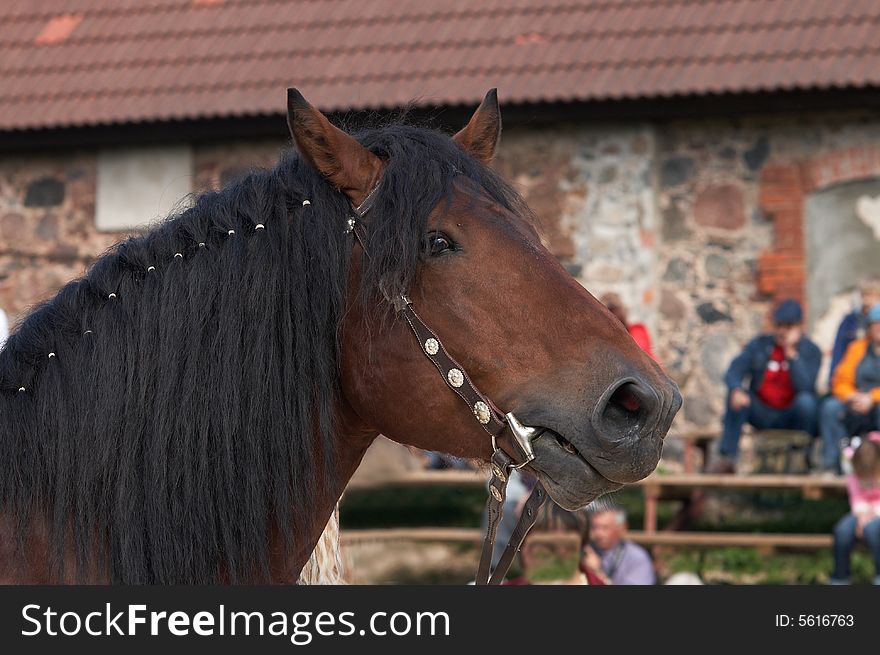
column 749, row 566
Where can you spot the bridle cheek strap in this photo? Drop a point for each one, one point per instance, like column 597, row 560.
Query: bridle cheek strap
column 501, row 467
column 511, row 441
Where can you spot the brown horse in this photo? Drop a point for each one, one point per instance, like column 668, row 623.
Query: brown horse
column 192, row 409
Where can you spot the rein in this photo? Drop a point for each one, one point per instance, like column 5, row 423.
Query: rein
column 511, row 440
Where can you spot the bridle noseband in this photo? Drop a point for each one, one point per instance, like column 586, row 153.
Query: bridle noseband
column 511, row 440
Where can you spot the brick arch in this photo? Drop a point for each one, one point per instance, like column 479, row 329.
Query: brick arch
column 784, row 187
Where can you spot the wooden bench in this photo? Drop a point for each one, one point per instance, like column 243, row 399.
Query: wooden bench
column 782, row 451
column 694, row 441
column 657, row 485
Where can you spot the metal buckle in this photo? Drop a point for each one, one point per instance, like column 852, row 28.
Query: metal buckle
column 523, row 435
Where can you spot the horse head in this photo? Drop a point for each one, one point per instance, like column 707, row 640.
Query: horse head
column 527, row 334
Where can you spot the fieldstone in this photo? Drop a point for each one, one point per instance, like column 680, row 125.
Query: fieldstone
column 760, row 217
column 44, row 192
column 608, row 174
column 676, row 170
column 639, row 145
column 716, row 354
column 720, row 207
column 11, row 226
column 710, row 314
column 676, row 270
column 64, row 252
column 47, row 228
column 671, row 307
column 574, row 269
column 674, row 224
column 76, row 173
column 717, row 266
column 698, row 409
column 727, row 153
column 586, row 154
column 606, row 273
column 757, row 154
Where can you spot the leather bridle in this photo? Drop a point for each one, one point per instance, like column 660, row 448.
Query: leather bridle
column 511, row 440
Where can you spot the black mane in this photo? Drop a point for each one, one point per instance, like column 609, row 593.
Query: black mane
column 185, row 410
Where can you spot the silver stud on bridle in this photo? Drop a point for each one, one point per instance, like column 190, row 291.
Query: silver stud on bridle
column 455, row 377
column 432, row 346
column 481, row 411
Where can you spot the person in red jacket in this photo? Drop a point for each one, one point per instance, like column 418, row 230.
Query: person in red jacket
column 637, row 331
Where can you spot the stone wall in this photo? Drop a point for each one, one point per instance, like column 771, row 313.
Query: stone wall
column 698, row 225
column 47, row 226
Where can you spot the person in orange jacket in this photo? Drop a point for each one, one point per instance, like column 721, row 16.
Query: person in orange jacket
column 854, row 406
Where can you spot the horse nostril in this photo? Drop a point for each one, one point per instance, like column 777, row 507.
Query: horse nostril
column 628, row 410
column 625, row 397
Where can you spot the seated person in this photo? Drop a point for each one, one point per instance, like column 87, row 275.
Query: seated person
column 853, row 406
column 853, row 325
column 863, row 521
column 781, row 370
column 610, row 556
column 637, row 331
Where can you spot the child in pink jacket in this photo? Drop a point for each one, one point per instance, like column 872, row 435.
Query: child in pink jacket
column 863, row 521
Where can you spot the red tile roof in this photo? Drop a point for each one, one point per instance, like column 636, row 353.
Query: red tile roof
column 89, row 62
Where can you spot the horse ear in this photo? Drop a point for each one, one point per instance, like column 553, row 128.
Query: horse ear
column 344, row 162
column 480, row 136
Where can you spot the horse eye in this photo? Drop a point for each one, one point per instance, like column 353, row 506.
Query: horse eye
column 439, row 243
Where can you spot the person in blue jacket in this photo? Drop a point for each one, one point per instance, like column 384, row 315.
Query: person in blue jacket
column 853, row 325
column 772, row 383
